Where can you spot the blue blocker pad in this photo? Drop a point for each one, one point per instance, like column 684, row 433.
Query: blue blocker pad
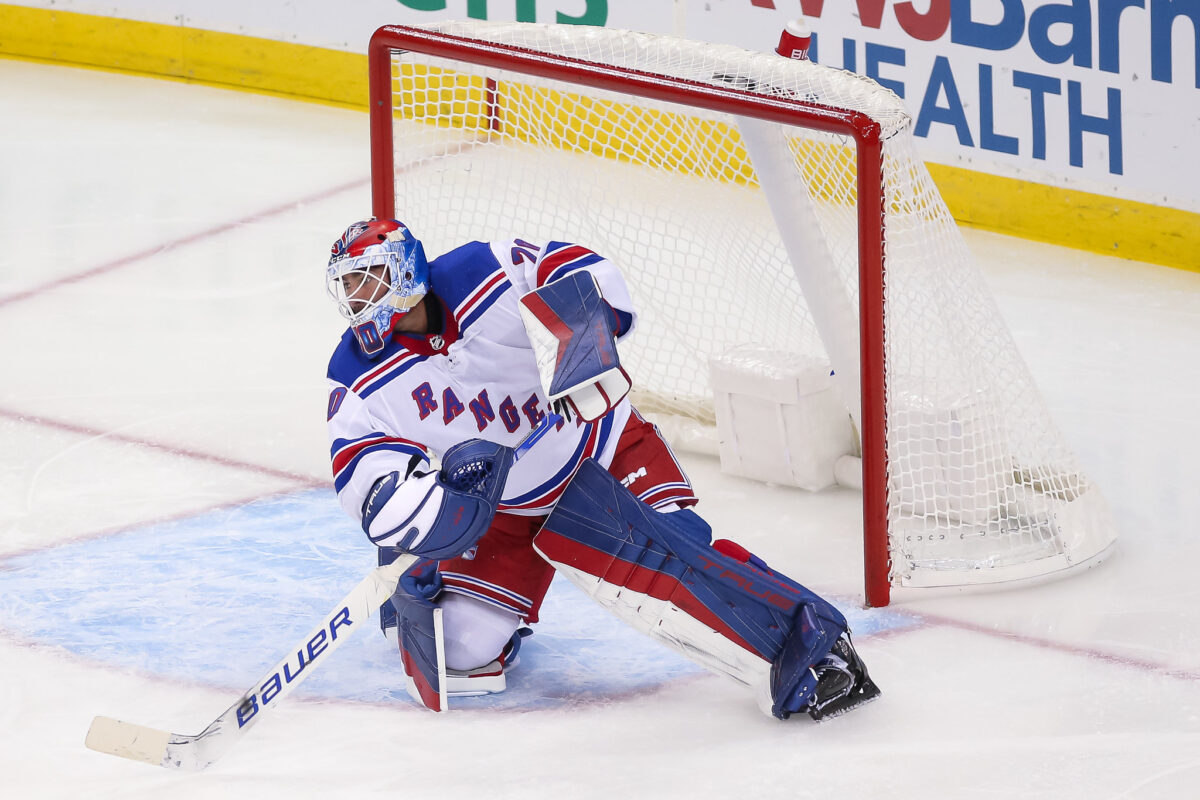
column 599, row 528
column 572, row 309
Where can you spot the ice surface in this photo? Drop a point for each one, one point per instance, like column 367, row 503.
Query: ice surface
column 167, row 531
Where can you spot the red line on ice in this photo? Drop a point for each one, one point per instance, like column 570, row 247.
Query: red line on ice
column 208, row 233
column 307, row 481
column 1061, row 647
column 924, row 621
column 125, row 527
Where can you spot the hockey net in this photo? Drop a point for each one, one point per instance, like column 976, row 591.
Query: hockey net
column 756, row 202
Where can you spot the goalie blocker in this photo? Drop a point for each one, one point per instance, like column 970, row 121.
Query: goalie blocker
column 573, row 331
column 716, row 604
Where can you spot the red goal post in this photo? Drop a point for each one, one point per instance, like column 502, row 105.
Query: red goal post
column 461, row 73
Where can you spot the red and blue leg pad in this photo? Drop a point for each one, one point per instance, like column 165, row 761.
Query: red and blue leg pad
column 418, row 616
column 716, row 604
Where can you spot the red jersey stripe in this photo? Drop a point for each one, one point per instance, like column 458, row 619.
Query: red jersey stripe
column 552, row 261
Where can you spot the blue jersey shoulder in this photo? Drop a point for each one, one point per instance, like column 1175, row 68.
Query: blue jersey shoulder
column 348, row 362
column 454, row 276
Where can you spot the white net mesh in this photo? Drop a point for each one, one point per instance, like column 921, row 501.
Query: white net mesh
column 980, row 485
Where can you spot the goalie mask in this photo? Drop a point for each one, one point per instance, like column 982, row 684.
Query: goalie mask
column 377, row 271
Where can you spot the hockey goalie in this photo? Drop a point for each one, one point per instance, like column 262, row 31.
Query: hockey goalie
column 445, row 366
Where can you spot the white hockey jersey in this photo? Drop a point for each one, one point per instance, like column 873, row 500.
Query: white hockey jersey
column 421, row 395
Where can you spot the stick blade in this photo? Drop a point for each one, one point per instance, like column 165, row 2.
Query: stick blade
column 127, row 740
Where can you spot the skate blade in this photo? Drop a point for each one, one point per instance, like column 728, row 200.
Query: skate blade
column 868, row 694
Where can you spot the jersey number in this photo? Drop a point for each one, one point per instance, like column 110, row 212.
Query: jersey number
column 524, row 251
column 335, row 401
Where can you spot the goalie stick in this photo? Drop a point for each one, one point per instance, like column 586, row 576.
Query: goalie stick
column 176, row 751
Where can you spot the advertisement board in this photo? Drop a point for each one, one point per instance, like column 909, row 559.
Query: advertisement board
column 1093, row 96
column 1100, row 95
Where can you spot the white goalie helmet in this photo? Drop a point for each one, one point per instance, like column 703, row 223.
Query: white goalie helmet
column 377, row 270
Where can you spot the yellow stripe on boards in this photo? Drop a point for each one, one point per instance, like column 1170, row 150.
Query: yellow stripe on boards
column 220, row 59
column 90, row 40
column 1084, row 221
column 1093, row 222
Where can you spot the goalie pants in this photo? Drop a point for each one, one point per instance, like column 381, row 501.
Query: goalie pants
column 504, row 570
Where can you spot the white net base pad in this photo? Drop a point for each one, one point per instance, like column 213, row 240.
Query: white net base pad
column 1049, row 537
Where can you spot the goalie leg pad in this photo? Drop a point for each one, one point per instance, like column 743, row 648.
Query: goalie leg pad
column 419, row 608
column 725, row 612
column 831, row 686
column 419, row 623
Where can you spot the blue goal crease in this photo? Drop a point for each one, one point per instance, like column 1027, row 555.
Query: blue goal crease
column 217, row 598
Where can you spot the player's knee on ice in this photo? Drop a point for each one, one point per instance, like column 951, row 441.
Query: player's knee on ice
column 475, row 632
